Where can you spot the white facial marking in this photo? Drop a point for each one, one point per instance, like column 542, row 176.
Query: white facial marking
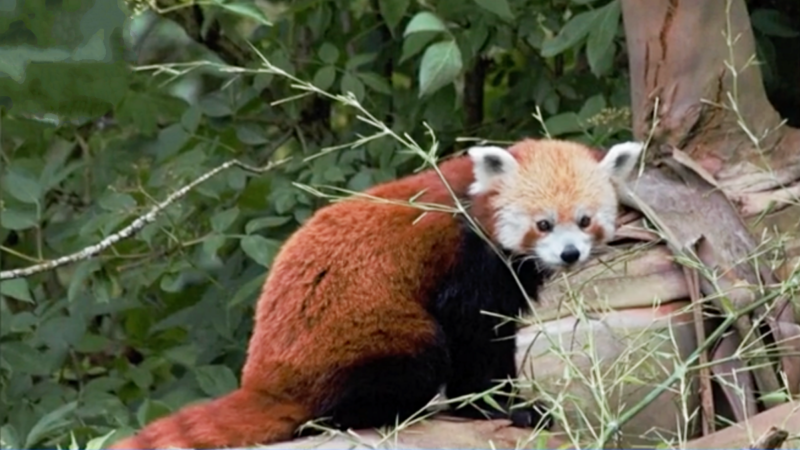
column 550, row 248
column 512, row 226
column 606, row 217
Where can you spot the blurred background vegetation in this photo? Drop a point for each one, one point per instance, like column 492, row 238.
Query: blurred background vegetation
column 103, row 114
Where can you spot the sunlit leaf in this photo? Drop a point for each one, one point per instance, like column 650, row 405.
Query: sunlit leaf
column 441, row 64
column 424, row 21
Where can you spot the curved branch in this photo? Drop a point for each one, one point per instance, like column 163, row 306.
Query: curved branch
column 136, row 225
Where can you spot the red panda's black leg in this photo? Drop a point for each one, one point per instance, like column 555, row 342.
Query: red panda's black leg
column 482, row 347
column 388, row 389
column 479, row 367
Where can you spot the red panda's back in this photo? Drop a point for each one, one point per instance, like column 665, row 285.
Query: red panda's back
column 355, row 273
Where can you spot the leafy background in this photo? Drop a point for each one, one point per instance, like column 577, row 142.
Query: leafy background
column 97, row 128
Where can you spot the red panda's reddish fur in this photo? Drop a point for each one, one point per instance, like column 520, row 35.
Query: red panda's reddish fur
column 284, row 357
column 365, row 265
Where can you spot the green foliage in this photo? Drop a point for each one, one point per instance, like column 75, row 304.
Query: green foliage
column 162, row 319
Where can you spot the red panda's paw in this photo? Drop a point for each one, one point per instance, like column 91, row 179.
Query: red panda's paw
column 535, row 416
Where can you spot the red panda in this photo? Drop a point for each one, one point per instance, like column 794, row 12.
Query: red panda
column 372, row 306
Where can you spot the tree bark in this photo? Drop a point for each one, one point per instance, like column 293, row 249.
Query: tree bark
column 682, row 92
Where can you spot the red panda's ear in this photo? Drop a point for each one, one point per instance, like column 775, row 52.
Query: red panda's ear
column 490, row 164
column 620, row 160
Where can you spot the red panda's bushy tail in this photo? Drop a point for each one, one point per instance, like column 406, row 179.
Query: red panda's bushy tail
column 241, row 418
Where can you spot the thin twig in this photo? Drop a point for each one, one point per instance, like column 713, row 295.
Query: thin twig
column 706, row 393
column 136, row 225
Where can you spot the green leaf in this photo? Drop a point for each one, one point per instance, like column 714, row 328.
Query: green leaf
column 141, row 377
column 222, row 220
column 393, row 11
column 600, row 45
column 260, row 249
column 375, row 82
column 352, row 84
column 215, row 380
column 262, row 80
column 170, row 141
column 49, row 423
column 283, row 200
column 265, row 222
column 592, row 107
column 185, row 355
column 414, row 44
column 251, row 134
column 476, row 37
column 79, row 277
column 498, row 7
column 117, row 201
column 424, row 21
column 302, row 214
column 333, row 174
column 245, row 9
column 138, row 110
column 324, row 77
column 93, row 343
column 441, row 64
column 22, row 358
column 61, row 332
column 16, row 288
column 359, row 60
column 151, row 410
column 328, row 53
column 23, row 322
column 22, row 187
column 212, row 244
column 563, row 123
column 191, row 119
column 246, row 290
column 236, row 178
column 319, row 20
column 361, row 181
column 13, row 219
column 214, row 106
column 570, row 35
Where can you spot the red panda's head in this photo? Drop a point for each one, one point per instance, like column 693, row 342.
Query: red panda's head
column 548, row 198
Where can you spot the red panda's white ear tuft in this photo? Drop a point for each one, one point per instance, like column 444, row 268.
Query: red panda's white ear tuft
column 620, row 160
column 490, row 164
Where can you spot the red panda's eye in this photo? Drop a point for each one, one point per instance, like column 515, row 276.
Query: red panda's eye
column 544, row 226
column 584, row 221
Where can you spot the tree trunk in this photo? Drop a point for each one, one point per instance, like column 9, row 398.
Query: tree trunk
column 684, row 94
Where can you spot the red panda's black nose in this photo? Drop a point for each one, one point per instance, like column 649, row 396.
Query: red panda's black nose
column 570, row 254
